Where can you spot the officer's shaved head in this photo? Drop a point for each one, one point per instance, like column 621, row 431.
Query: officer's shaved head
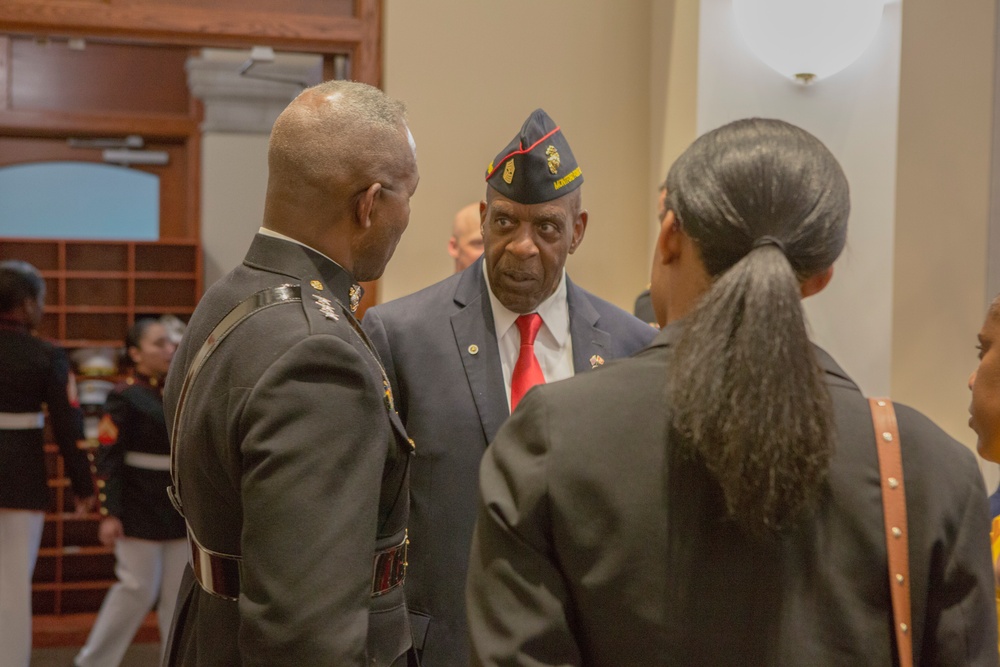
column 333, row 140
column 341, row 170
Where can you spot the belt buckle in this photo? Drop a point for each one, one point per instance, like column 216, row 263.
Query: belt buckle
column 389, row 568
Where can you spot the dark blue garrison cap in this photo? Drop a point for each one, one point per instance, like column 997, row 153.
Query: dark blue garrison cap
column 537, row 165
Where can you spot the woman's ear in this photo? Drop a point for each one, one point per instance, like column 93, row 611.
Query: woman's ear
column 668, row 243
column 365, row 205
column 815, row 283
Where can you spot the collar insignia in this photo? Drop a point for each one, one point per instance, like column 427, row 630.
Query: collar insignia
column 356, row 293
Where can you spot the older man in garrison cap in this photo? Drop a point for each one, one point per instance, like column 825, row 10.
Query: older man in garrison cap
column 460, row 355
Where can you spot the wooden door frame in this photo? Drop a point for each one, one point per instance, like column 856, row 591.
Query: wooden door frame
column 359, row 36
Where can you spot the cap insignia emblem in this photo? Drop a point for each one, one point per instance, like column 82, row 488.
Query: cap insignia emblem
column 315, row 284
column 326, row 307
column 355, row 295
column 508, row 171
column 552, row 156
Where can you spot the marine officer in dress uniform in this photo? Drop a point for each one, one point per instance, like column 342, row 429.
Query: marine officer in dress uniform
column 34, row 376
column 290, row 462
column 459, row 355
column 133, row 470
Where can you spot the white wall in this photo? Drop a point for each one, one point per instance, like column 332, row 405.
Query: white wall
column 855, row 114
column 471, row 72
column 234, row 179
column 946, row 118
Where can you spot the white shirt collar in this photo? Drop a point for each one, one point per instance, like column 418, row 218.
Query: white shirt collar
column 554, row 311
column 264, row 231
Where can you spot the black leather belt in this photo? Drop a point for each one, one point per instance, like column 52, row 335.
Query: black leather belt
column 219, row 574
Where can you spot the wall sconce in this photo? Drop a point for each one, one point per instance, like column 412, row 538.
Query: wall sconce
column 806, row 40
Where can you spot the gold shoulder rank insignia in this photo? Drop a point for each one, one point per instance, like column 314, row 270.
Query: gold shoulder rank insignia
column 596, row 360
column 508, row 171
column 552, row 157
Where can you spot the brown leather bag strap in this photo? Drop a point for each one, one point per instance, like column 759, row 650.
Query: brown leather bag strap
column 890, row 465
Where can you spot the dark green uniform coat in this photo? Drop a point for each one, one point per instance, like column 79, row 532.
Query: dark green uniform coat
column 290, row 458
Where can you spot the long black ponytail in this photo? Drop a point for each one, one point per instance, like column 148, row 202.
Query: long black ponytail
column 766, row 205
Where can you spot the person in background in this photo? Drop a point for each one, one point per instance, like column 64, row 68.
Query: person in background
column 466, row 243
column 291, row 466
column 716, row 499
column 35, row 376
column 461, row 353
column 133, row 469
column 984, row 413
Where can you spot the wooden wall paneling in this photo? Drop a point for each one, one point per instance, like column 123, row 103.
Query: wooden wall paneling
column 4, row 68
column 192, row 215
column 54, row 123
column 318, row 24
column 366, row 65
column 50, row 75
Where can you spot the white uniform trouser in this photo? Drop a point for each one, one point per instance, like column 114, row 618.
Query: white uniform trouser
column 146, row 570
column 20, row 537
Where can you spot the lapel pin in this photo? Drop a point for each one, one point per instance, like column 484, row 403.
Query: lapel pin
column 473, row 349
column 596, row 360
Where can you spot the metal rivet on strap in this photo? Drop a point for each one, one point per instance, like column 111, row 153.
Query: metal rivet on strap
column 896, row 532
column 904, row 627
column 887, row 436
column 881, row 404
column 893, row 482
column 899, row 579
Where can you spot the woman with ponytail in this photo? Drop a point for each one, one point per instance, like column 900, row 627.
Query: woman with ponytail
column 715, row 500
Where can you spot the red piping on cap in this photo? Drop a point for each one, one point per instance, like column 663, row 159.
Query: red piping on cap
column 520, row 152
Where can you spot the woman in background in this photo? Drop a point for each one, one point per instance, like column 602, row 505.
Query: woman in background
column 34, row 375
column 984, row 410
column 148, row 534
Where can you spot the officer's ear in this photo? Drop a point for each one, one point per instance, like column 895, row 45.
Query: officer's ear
column 366, row 202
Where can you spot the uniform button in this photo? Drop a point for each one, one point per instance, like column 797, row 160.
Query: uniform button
column 102, row 497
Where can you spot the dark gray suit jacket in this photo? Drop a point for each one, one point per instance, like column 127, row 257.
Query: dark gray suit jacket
column 599, row 542
column 452, row 401
column 290, row 458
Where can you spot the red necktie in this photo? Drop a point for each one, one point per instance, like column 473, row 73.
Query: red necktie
column 527, row 372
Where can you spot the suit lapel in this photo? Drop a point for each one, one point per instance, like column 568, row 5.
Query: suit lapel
column 588, row 340
column 474, row 330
